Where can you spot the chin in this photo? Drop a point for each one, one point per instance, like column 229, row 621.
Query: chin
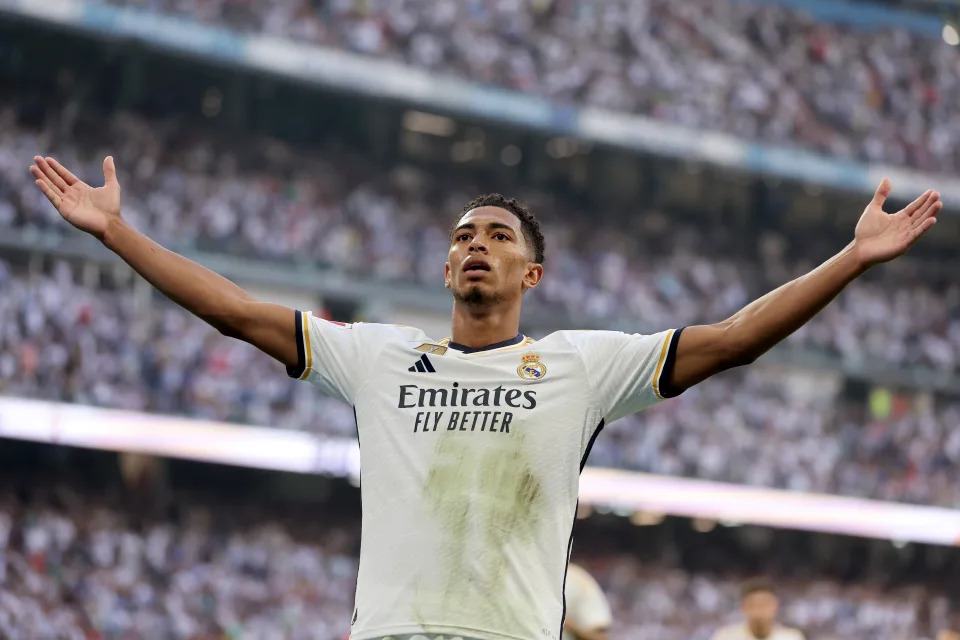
column 476, row 295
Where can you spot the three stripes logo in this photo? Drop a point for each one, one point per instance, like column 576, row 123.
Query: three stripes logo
column 423, row 365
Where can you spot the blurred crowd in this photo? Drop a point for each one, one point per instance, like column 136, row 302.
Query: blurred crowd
column 76, row 565
column 190, row 188
column 62, row 341
column 651, row 602
column 756, row 70
column 112, row 346
column 797, row 431
column 85, row 569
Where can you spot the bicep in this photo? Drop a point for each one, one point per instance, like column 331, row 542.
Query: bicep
column 272, row 328
column 702, row 351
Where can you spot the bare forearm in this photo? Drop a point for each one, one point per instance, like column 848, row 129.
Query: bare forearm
column 197, row 289
column 705, row 350
column 763, row 323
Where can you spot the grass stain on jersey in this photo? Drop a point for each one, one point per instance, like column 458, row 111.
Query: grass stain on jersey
column 487, row 498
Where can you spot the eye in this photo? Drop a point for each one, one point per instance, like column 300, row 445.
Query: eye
column 463, row 236
column 501, row 236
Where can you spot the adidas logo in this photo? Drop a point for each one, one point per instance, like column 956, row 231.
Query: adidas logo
column 423, row 365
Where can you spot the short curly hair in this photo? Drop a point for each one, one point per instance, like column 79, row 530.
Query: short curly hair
column 528, row 222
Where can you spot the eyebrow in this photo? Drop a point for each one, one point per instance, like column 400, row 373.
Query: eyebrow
column 493, row 225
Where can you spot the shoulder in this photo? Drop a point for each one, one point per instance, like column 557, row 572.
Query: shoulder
column 604, row 342
column 578, row 574
column 371, row 330
column 729, row 632
column 581, row 337
column 400, row 332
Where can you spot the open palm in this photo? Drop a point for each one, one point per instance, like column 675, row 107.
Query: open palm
column 882, row 236
column 88, row 209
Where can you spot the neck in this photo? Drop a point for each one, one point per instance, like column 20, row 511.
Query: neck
column 476, row 328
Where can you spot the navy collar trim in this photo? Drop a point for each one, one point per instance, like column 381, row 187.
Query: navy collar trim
column 499, row 345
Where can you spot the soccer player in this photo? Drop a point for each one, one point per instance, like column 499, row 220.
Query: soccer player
column 472, row 445
column 760, row 606
column 588, row 612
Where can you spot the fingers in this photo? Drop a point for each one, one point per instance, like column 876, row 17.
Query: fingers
column 49, row 173
column 926, row 198
column 882, row 192
column 53, row 194
column 109, row 170
column 922, row 228
column 928, row 211
column 62, row 171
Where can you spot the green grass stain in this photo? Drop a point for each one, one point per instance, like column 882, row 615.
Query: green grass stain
column 487, row 498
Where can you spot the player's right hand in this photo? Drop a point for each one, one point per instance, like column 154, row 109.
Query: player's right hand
column 88, row 209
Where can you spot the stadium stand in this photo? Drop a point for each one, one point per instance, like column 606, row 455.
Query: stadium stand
column 191, row 189
column 758, row 70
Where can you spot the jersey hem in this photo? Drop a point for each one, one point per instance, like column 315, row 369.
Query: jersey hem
column 469, row 632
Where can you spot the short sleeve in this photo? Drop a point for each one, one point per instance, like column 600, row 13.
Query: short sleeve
column 628, row 372
column 334, row 356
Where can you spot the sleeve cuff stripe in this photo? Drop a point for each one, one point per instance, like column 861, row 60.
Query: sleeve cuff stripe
column 667, row 358
column 306, row 342
column 298, row 371
column 663, row 357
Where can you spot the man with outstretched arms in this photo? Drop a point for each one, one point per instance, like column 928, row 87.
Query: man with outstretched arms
column 472, row 445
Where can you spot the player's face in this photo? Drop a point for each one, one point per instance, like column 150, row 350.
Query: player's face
column 489, row 260
column 760, row 609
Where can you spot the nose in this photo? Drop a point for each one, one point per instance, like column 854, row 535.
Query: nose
column 478, row 245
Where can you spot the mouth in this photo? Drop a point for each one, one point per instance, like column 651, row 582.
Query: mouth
column 476, row 267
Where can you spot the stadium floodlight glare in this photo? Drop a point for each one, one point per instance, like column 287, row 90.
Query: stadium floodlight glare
column 647, row 497
column 428, row 123
column 950, row 35
column 719, row 501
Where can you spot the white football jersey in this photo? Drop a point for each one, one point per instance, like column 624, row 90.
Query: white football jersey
column 470, row 466
column 742, row 632
column 587, row 607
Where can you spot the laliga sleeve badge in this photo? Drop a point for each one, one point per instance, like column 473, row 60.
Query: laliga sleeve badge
column 531, row 368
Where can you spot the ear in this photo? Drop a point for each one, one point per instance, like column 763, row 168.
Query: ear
column 446, row 275
column 533, row 276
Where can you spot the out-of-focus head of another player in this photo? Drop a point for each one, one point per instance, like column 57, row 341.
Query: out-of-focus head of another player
column 496, row 252
column 760, row 606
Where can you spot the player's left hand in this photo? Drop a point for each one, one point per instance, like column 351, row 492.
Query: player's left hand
column 882, row 236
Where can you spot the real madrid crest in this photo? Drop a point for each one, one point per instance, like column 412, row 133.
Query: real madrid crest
column 531, row 368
